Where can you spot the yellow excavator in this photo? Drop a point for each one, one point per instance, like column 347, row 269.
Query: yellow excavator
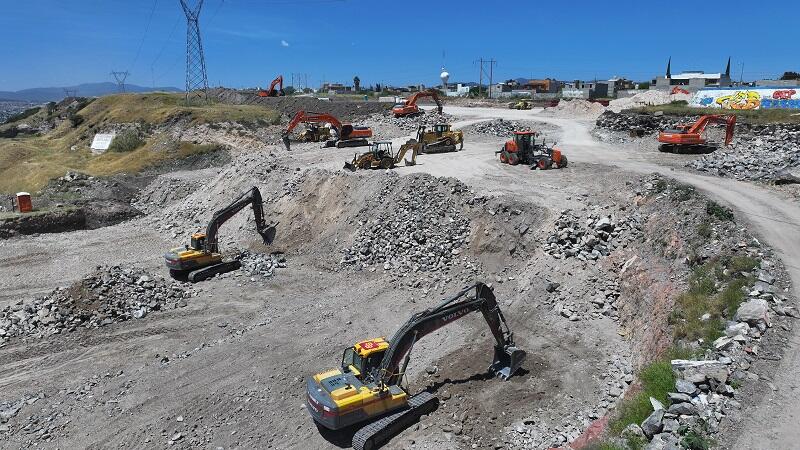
column 201, row 259
column 381, row 156
column 368, row 384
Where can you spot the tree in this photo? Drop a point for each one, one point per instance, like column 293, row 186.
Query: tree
column 645, row 85
column 288, row 90
column 790, row 76
column 356, row 83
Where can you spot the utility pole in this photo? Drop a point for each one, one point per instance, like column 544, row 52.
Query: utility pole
column 480, row 78
column 196, row 76
column 492, row 63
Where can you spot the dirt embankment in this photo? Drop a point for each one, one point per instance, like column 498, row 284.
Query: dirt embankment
column 289, row 105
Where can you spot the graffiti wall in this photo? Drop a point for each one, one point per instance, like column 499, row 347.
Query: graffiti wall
column 748, row 98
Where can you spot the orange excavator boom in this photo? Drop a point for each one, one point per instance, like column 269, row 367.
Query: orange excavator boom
column 410, row 106
column 688, row 137
column 271, row 92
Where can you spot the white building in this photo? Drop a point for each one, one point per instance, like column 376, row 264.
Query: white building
column 459, row 90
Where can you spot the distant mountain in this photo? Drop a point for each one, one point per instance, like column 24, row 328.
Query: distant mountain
column 54, row 94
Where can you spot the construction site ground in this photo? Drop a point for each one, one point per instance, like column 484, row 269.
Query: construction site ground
column 229, row 369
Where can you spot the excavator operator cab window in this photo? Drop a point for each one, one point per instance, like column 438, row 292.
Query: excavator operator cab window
column 198, row 241
column 362, row 365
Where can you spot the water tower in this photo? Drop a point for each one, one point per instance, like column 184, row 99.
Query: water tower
column 444, row 76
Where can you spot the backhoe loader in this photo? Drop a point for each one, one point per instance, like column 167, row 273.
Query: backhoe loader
column 689, row 138
column 367, row 386
column 380, row 156
column 201, row 259
column 346, row 135
column 410, row 108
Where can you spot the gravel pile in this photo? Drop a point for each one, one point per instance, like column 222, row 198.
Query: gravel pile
column 111, row 294
column 422, row 229
column 498, row 127
column 588, row 239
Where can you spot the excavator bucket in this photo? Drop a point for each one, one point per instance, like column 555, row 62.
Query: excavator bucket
column 286, row 142
column 507, row 360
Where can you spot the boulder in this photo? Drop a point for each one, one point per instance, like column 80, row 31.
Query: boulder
column 700, row 371
column 653, row 425
column 683, row 409
column 753, row 311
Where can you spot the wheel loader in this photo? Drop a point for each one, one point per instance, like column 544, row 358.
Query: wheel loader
column 201, row 259
column 440, row 139
column 522, row 104
column 367, row 388
column 380, row 156
column 523, row 149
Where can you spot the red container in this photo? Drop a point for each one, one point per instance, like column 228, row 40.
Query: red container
column 24, row 202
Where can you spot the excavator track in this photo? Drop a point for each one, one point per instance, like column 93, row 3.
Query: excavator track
column 379, row 432
column 208, row 272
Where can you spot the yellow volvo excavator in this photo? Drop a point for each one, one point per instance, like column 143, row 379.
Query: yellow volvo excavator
column 368, row 384
column 201, row 259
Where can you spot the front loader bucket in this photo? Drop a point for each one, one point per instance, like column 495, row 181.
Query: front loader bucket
column 350, row 166
column 507, row 360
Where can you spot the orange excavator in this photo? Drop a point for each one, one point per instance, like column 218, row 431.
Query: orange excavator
column 689, row 138
column 346, row 135
column 272, row 92
column 410, row 108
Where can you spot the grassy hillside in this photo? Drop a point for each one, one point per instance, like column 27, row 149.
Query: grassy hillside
column 28, row 162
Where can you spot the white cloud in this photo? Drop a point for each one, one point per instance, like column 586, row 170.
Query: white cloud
column 284, row 43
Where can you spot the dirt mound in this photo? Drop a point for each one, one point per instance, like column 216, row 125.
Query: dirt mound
column 576, row 109
column 289, row 105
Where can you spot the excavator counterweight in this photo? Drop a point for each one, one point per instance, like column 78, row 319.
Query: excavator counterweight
column 369, row 383
column 201, row 259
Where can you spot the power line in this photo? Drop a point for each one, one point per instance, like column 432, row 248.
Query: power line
column 144, row 36
column 120, row 77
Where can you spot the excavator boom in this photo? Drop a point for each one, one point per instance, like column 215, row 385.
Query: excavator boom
column 689, row 138
column 271, row 92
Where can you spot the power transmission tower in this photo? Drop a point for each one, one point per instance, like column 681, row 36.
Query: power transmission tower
column 70, row 93
column 120, row 77
column 196, row 76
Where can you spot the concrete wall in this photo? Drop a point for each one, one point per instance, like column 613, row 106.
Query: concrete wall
column 745, row 98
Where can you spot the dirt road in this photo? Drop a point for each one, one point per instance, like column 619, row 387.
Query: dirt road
column 774, row 423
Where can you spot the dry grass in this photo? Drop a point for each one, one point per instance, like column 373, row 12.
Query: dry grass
column 27, row 163
column 763, row 116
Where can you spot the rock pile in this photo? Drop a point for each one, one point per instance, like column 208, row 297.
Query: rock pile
column 588, row 239
column 757, row 153
column 704, row 391
column 111, row 294
column 498, row 127
column 259, row 264
column 423, row 229
column 646, row 98
column 411, row 123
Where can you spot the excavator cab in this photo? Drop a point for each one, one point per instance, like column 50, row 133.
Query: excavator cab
column 198, row 241
column 364, row 356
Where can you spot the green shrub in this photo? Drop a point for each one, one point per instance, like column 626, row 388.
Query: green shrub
column 126, row 141
column 695, row 441
column 657, row 380
column 742, row 264
column 720, row 212
column 75, row 120
column 683, row 192
column 660, row 186
column 704, row 229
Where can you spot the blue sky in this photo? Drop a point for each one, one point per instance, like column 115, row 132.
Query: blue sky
column 248, row 42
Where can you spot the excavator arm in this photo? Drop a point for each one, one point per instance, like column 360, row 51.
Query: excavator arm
column 507, row 357
column 728, row 119
column 423, row 94
column 251, row 197
column 271, row 92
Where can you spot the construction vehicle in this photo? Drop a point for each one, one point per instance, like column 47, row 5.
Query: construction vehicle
column 201, row 259
column 523, row 149
column 368, row 384
column 272, row 92
column 440, row 139
column 689, row 138
column 346, row 135
column 410, row 108
column 380, row 156
column 522, row 104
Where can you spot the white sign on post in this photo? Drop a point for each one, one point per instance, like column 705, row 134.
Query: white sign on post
column 101, row 142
